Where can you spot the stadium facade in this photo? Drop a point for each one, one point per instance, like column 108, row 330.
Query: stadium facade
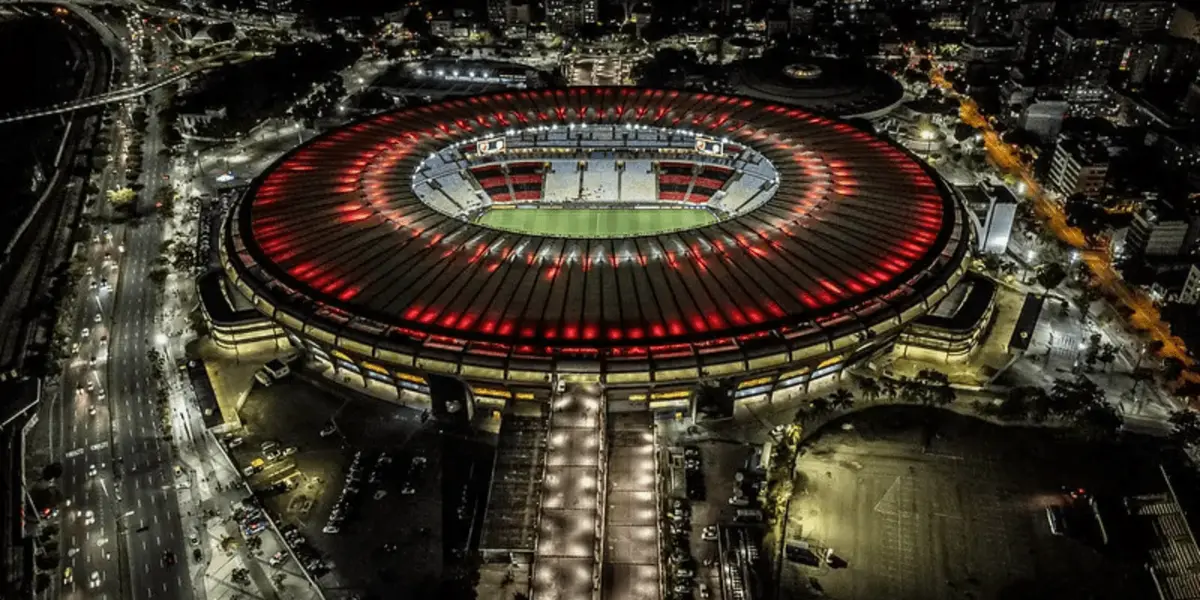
column 369, row 245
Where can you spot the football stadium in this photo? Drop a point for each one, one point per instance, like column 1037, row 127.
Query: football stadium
column 646, row 240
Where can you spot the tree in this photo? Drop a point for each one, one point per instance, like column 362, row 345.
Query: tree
column 1100, row 422
column 1172, row 368
column 870, row 388
column 1084, row 302
column 121, row 198
column 819, row 406
column 841, row 399
column 1069, row 397
column 1108, row 355
column 1051, row 276
column 1185, row 427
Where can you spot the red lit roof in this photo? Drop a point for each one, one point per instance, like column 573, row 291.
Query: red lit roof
column 336, row 224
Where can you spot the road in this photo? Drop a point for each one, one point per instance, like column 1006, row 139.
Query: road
column 117, row 462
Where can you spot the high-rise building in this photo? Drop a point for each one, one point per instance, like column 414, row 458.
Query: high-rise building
column 568, row 15
column 1190, row 294
column 496, row 12
column 1162, row 232
column 990, row 17
column 1043, row 117
column 1140, row 17
column 1079, row 167
column 1083, row 57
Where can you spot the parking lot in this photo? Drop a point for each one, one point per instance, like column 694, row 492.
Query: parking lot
column 922, row 505
column 706, row 489
column 395, row 458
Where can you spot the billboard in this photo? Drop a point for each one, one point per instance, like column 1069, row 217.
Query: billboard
column 490, row 146
column 706, row 145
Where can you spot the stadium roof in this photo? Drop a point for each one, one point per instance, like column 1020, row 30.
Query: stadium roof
column 829, row 86
column 334, row 232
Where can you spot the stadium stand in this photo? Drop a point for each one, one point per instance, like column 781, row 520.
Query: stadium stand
column 708, row 182
column 674, row 180
column 493, row 182
column 562, row 181
column 526, row 180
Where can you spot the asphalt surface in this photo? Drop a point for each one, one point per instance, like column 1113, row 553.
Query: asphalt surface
column 951, row 507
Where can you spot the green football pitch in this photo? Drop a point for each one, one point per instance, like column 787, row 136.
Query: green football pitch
column 592, row 222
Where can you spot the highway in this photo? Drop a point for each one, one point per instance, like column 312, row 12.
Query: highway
column 120, row 513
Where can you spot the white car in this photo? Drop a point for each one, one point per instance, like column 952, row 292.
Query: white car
column 92, row 411
column 94, row 581
column 98, row 318
column 331, row 529
column 92, row 471
column 89, row 517
column 85, row 333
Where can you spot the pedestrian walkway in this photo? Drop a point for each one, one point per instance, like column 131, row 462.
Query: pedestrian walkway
column 564, row 566
column 631, row 545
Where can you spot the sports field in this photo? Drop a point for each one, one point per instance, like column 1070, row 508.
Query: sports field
column 592, row 222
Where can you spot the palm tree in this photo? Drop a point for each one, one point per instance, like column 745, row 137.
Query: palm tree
column 819, row 406
column 842, row 399
column 869, row 387
column 889, row 388
column 801, row 415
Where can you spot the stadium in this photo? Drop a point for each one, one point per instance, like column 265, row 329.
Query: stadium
column 642, row 239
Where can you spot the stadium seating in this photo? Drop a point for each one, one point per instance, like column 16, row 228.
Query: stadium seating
column 708, row 182
column 519, row 181
column 674, row 180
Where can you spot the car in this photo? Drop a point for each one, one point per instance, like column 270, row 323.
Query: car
column 408, row 490
column 684, row 573
column 709, row 534
column 328, row 430
column 98, row 318
column 91, row 385
column 94, row 580
column 235, row 442
column 92, row 411
column 351, row 489
column 274, row 454
column 682, row 587
column 704, row 592
column 691, row 464
column 92, row 285
column 390, row 547
column 280, row 558
column 68, row 576
column 384, row 458
column 691, row 452
column 269, row 445
column 100, row 394
column 290, row 450
column 75, row 349
column 250, row 470
column 168, row 558
column 331, row 529
column 92, row 471
column 85, row 332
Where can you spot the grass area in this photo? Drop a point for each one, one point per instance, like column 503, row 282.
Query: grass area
column 592, row 222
